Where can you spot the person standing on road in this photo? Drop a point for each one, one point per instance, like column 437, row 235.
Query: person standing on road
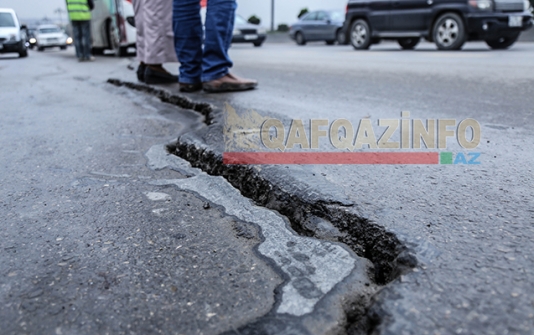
column 155, row 40
column 80, row 17
column 206, row 67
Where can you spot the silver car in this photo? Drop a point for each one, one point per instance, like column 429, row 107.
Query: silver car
column 321, row 25
column 50, row 36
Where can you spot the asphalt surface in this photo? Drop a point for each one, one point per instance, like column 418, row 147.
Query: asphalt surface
column 102, row 230
column 470, row 226
column 105, row 232
column 88, row 245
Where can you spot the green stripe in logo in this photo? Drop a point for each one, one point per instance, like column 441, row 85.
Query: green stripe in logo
column 445, row 158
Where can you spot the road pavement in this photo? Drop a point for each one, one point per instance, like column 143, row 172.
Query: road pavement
column 88, row 245
column 469, row 226
column 104, row 232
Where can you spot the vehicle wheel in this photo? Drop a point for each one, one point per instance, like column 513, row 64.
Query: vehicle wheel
column 40, row 49
column 122, row 52
column 64, row 47
column 449, row 32
column 257, row 44
column 330, row 42
column 360, row 35
column 23, row 53
column 503, row 42
column 113, row 43
column 408, row 43
column 300, row 39
column 97, row 51
column 340, row 37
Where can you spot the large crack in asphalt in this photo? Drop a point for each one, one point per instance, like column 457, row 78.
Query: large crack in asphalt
column 203, row 108
column 369, row 240
column 321, row 218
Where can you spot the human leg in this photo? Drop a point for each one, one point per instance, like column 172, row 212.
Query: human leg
column 158, row 34
column 139, row 15
column 77, row 36
column 216, row 62
column 86, row 39
column 188, row 40
column 158, row 40
column 220, row 17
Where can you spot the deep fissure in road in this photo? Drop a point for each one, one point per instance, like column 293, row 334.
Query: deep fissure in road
column 390, row 257
column 176, row 100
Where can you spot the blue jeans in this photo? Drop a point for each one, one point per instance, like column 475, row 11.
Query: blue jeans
column 212, row 62
column 81, row 31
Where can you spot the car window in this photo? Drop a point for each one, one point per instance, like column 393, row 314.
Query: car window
column 322, row 16
column 337, row 16
column 49, row 30
column 310, row 16
column 6, row 20
column 240, row 20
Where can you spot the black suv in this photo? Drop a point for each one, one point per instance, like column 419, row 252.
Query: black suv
column 448, row 23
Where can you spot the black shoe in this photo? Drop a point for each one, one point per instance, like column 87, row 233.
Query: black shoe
column 159, row 77
column 190, row 88
column 141, row 72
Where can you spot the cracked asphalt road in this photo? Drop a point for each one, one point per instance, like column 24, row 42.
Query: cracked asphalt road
column 99, row 237
column 92, row 236
column 470, row 227
column 88, row 245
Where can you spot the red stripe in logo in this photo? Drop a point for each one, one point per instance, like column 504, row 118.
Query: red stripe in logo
column 401, row 158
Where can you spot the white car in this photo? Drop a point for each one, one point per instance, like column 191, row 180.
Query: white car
column 50, row 36
column 12, row 35
column 113, row 26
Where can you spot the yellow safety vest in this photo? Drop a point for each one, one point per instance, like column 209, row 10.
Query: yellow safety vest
column 78, row 10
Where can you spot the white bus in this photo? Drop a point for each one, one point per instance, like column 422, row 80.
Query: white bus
column 113, row 26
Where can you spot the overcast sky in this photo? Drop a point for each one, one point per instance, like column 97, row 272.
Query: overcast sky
column 285, row 10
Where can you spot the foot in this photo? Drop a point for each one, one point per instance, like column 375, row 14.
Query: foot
column 189, row 88
column 90, row 59
column 229, row 83
column 141, row 72
column 158, row 75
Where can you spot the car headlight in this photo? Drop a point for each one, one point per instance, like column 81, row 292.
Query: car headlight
column 12, row 38
column 69, row 40
column 33, row 40
column 131, row 21
column 481, row 4
column 236, row 32
column 526, row 5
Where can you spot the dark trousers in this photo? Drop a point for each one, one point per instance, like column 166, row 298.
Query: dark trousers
column 81, row 31
column 198, row 63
